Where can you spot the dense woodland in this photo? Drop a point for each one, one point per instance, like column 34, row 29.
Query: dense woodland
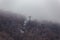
column 13, row 25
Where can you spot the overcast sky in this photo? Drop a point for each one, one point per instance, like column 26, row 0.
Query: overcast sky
column 38, row 9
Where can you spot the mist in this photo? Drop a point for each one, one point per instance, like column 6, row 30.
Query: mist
column 37, row 9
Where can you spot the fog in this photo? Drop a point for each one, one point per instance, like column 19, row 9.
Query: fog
column 37, row 9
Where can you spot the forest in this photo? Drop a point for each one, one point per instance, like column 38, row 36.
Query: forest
column 14, row 26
